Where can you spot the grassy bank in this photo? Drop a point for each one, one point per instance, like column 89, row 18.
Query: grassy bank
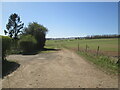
column 103, row 62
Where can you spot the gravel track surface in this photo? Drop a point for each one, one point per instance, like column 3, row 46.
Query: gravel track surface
column 59, row 69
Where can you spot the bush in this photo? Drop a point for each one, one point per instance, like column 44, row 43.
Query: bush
column 6, row 44
column 27, row 43
column 38, row 31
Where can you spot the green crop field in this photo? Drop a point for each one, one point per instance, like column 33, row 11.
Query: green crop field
column 105, row 45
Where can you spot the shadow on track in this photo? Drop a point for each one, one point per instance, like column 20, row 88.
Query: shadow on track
column 8, row 67
column 50, row 49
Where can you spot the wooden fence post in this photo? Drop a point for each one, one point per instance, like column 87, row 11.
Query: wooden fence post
column 57, row 45
column 86, row 47
column 98, row 50
column 78, row 46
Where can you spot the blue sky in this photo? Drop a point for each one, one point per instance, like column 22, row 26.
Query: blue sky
column 66, row 19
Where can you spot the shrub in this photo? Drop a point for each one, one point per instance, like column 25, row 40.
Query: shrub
column 6, row 44
column 27, row 43
column 38, row 31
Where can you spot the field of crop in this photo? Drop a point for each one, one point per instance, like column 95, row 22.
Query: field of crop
column 106, row 46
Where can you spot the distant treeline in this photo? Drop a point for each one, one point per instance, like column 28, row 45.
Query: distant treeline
column 89, row 37
column 102, row 36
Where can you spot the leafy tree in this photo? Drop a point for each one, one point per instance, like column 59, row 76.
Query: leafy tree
column 14, row 26
column 38, row 31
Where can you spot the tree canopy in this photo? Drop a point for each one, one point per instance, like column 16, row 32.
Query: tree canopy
column 14, row 26
column 38, row 31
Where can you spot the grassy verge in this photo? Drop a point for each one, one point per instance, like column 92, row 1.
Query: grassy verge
column 103, row 62
column 46, row 51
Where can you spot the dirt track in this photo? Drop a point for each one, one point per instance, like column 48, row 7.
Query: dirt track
column 60, row 69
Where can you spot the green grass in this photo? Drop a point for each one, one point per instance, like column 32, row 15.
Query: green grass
column 106, row 45
column 46, row 51
column 102, row 62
